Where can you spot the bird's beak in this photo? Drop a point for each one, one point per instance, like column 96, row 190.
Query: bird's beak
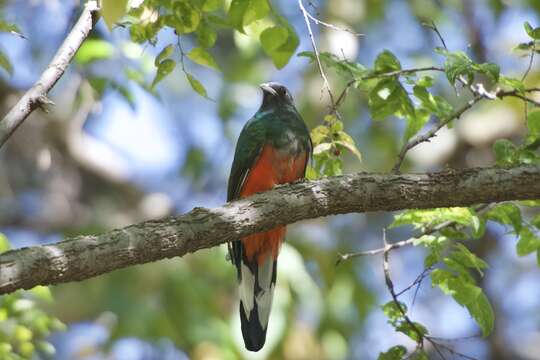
column 268, row 89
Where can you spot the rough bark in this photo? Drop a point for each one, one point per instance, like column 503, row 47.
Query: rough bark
column 36, row 96
column 84, row 257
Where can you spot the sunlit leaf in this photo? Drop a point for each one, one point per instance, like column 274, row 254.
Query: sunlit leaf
column 202, row 57
column 165, row 68
column 196, row 85
column 164, row 54
column 528, row 242
column 186, row 18
column 112, row 11
column 206, row 36
column 532, row 32
column 5, row 63
column 507, row 214
column 397, row 352
column 93, row 50
column 386, row 62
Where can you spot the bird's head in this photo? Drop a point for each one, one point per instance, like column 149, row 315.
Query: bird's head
column 275, row 94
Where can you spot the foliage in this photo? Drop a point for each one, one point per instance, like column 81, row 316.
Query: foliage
column 24, row 326
column 200, row 21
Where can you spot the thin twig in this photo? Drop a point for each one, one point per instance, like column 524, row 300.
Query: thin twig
column 531, row 60
column 331, row 26
column 390, row 287
column 427, row 136
column 433, row 27
column 427, row 231
column 401, row 72
column 326, row 84
column 416, row 281
column 36, row 96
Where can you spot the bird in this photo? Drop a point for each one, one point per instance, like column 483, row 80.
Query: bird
column 273, row 148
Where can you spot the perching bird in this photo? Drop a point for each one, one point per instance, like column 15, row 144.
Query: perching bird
column 273, row 148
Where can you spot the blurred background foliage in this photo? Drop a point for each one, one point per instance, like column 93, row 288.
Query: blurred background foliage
column 117, row 149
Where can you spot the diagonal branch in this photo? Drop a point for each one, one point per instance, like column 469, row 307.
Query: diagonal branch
column 36, row 96
column 84, row 257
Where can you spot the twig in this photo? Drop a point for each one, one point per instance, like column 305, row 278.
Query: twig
column 37, row 95
column 390, row 287
column 416, row 281
column 433, row 27
column 326, row 84
column 427, row 231
column 531, row 60
column 401, row 72
column 331, row 26
column 427, row 136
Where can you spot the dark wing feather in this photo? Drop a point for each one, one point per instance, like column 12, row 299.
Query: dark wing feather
column 248, row 149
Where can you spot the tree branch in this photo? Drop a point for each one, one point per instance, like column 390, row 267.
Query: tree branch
column 36, row 96
column 84, row 257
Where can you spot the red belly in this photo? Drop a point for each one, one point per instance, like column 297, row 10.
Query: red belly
column 271, row 168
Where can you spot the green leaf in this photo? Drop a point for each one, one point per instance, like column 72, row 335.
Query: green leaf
column 482, row 312
column 434, row 104
column 273, row 37
column 319, row 133
column 212, row 5
column 386, row 62
column 432, row 217
column 515, row 84
column 389, row 97
column 505, row 152
column 93, row 50
column 528, row 242
column 311, row 173
column 533, row 126
column 256, row 10
column 4, row 63
column 419, row 354
column 112, row 11
column 415, row 123
column 202, row 57
column 4, row 243
column 343, row 67
column 346, row 141
column 8, row 27
column 392, row 312
column 397, row 352
column 280, row 43
column 458, row 64
column 186, row 18
column 323, row 147
column 164, row 69
column 490, row 70
column 196, row 85
column 465, row 257
column 412, row 332
column 164, row 54
column 206, row 36
column 463, row 291
column 507, row 214
column 236, row 14
column 533, row 33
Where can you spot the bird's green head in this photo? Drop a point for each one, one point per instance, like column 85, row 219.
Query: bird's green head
column 275, row 94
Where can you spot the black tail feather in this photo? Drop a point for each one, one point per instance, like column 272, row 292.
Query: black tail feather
column 253, row 333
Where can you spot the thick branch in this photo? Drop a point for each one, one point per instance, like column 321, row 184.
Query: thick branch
column 87, row 256
column 36, row 96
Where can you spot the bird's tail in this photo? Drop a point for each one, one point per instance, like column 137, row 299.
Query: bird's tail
column 255, row 258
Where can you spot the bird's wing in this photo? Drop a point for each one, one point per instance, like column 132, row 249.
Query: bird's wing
column 250, row 144
column 248, row 150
